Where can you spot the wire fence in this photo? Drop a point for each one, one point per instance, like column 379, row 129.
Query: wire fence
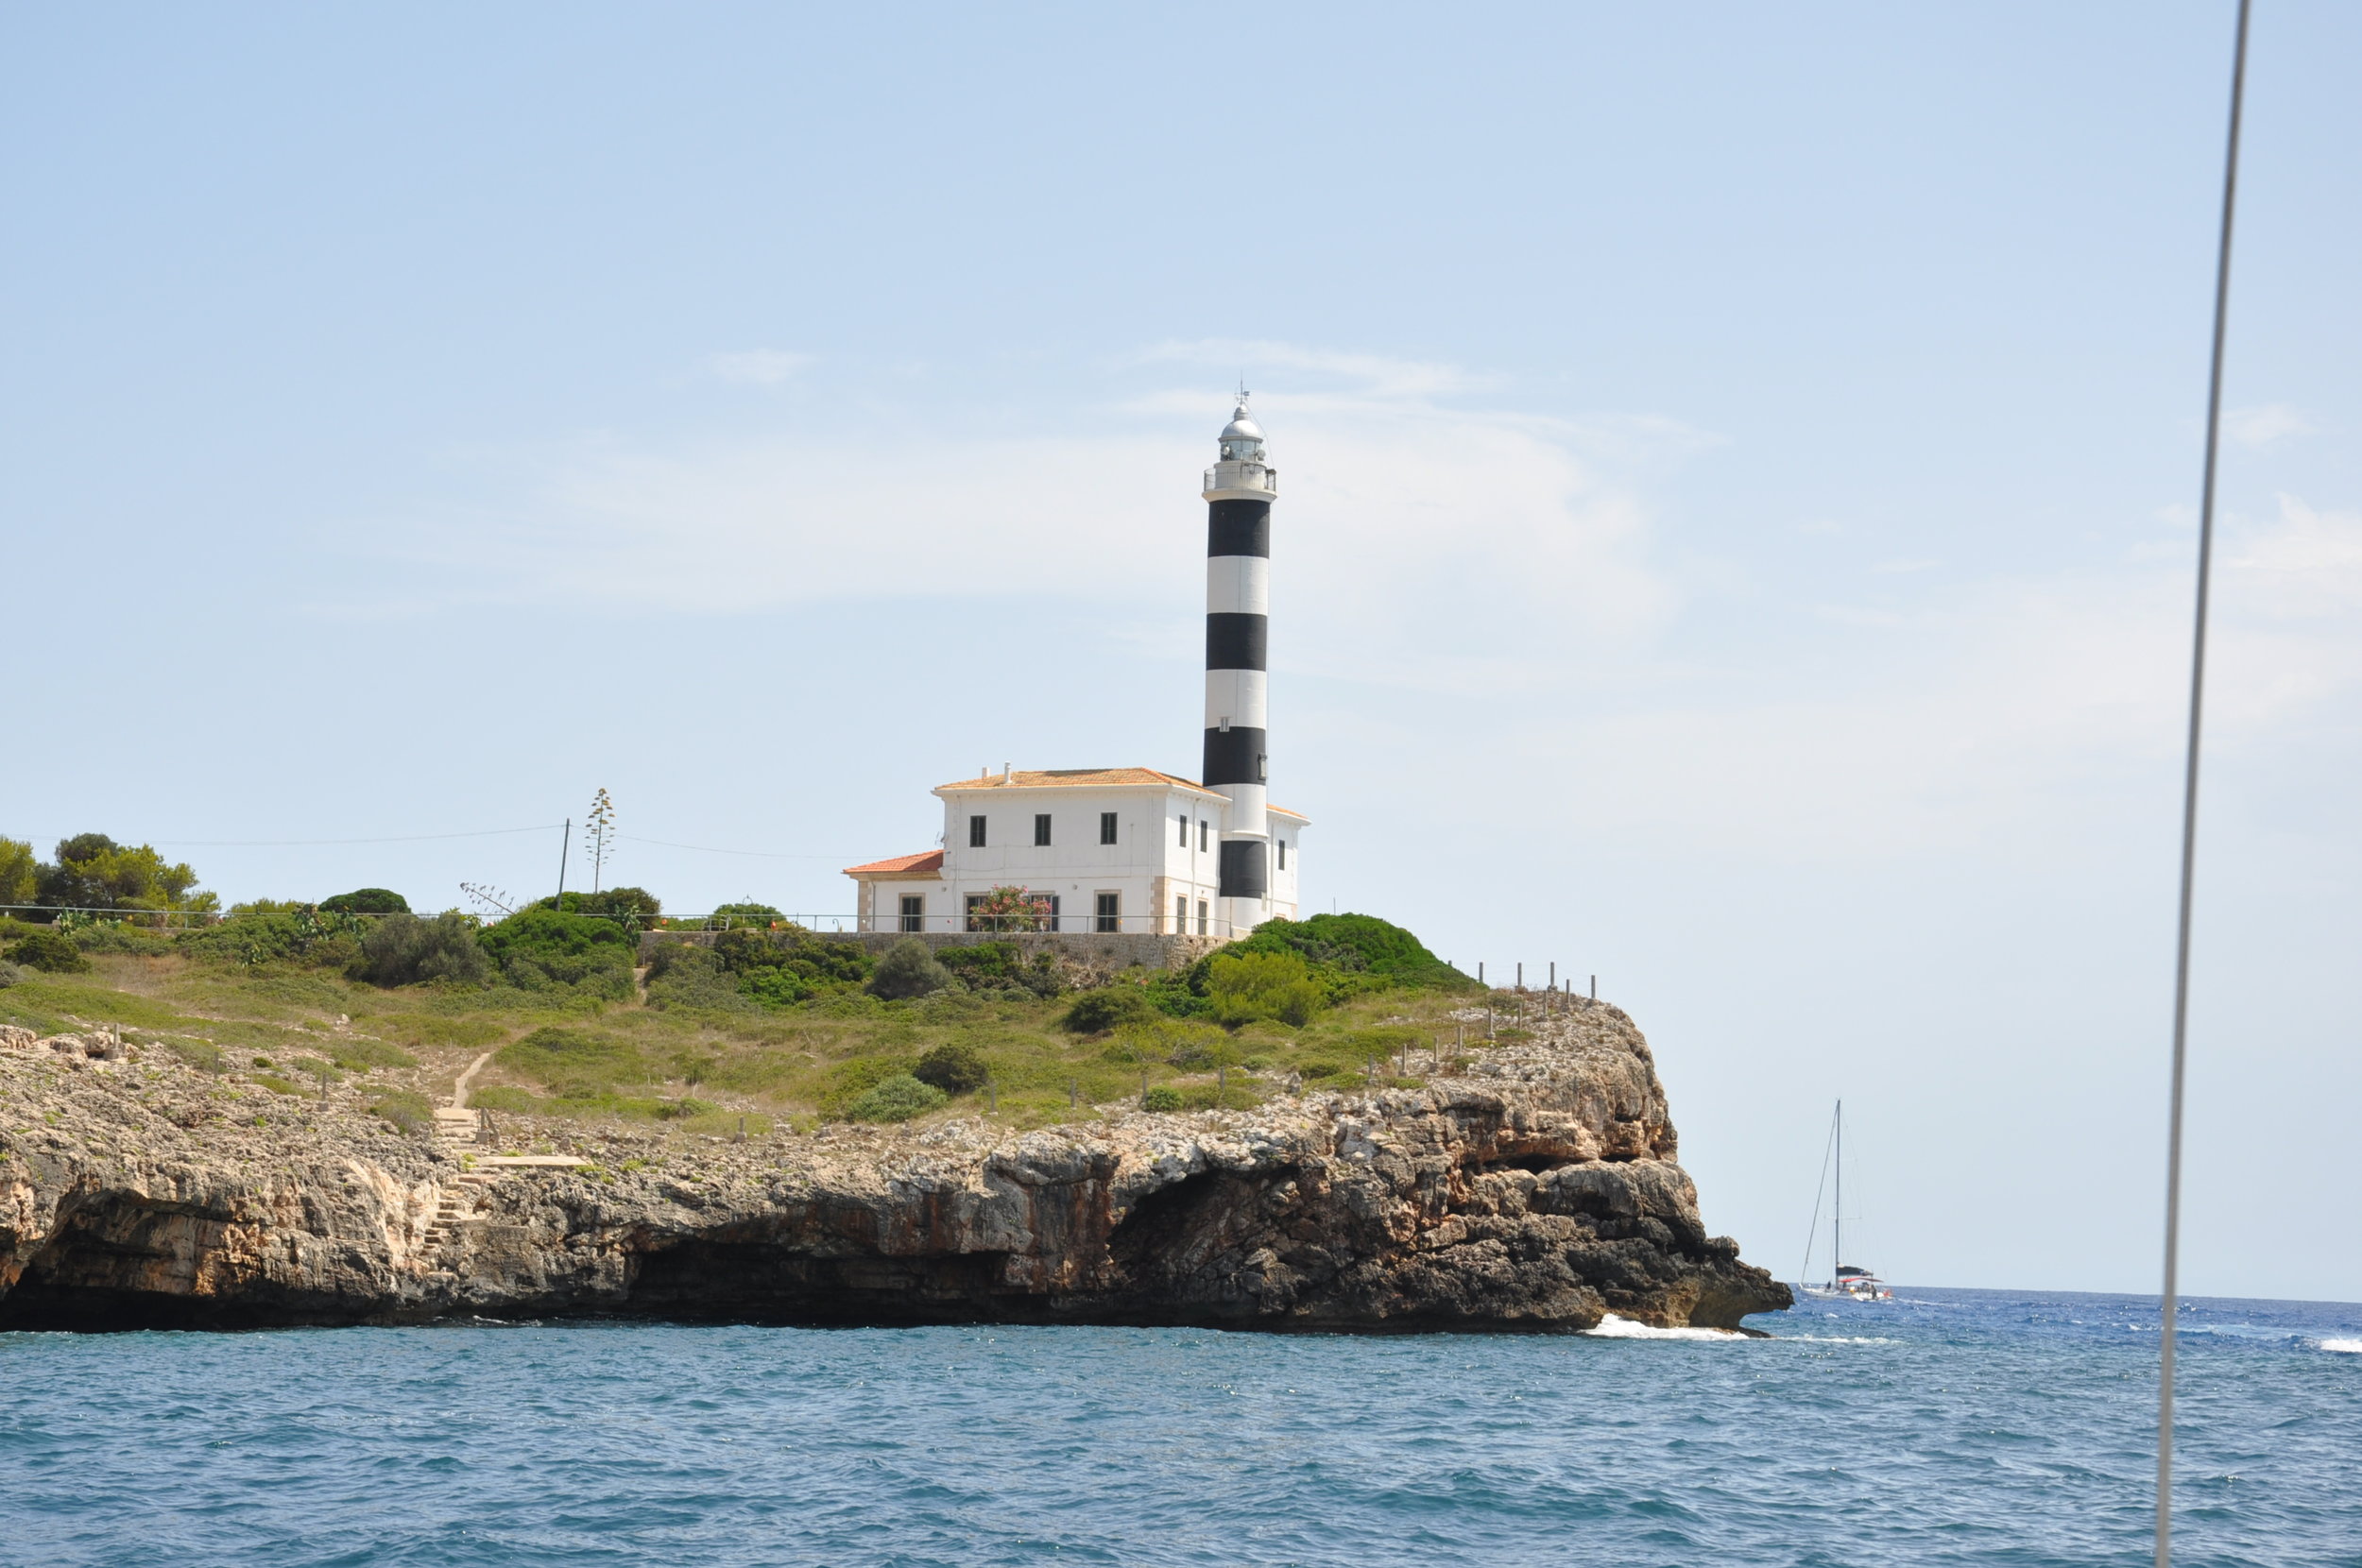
column 1551, row 982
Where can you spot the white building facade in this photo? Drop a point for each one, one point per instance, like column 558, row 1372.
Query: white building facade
column 1133, row 850
column 1101, row 850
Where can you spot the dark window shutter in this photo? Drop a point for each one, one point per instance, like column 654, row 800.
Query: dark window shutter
column 1041, row 828
column 975, row 832
column 1106, row 828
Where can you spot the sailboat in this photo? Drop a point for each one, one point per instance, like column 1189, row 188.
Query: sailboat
column 1845, row 1280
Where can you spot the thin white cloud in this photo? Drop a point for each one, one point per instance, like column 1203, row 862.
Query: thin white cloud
column 1432, row 556
column 2264, row 423
column 757, row 367
column 1454, row 549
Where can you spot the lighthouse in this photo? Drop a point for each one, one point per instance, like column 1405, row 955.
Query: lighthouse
column 1240, row 489
column 1136, row 865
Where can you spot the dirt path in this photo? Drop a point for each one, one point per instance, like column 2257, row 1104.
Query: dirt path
column 459, row 1090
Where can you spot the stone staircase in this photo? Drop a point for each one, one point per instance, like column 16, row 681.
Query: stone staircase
column 461, row 1130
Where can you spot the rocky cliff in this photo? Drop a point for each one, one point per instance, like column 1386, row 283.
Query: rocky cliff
column 1533, row 1186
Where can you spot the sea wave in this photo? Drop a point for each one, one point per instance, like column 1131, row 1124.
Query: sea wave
column 2342, row 1347
column 1834, row 1339
column 1612, row 1327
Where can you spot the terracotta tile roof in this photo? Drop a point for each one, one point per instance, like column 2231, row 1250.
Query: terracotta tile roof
column 913, row 865
column 1028, row 778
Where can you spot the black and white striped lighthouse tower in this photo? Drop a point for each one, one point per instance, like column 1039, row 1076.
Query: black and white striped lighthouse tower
column 1239, row 492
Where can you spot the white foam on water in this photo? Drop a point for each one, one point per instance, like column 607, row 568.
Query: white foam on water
column 1832, row 1340
column 2342, row 1347
column 1612, row 1327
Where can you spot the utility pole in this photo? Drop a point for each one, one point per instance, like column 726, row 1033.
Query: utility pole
column 566, row 837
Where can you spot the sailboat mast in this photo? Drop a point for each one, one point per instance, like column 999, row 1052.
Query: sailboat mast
column 1836, row 1215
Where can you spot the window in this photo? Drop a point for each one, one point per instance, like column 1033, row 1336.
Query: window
column 1106, row 828
column 1283, row 853
column 914, row 912
column 1110, row 916
column 1201, row 836
column 975, row 832
column 1201, row 917
column 1053, row 901
column 975, row 922
column 1185, row 830
column 1041, row 829
column 1181, row 915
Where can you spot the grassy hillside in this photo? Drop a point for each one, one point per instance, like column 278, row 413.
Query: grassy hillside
column 770, row 1024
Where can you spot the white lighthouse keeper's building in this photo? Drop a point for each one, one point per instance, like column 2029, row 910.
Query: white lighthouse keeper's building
column 1134, row 850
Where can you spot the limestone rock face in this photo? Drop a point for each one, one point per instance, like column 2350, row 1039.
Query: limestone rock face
column 1537, row 1189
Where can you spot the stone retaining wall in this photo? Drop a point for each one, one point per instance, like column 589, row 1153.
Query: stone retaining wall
column 1099, row 950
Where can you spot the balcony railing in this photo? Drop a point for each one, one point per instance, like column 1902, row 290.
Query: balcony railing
column 1243, row 476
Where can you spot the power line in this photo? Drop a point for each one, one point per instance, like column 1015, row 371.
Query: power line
column 309, row 844
column 757, row 854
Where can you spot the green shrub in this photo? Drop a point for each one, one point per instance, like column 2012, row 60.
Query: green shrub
column 1162, row 1097
column 684, row 975
column 956, row 1068
column 246, row 939
column 1109, row 1007
column 848, row 1080
column 279, row 1085
column 404, row 1110
column 51, row 950
column 1002, row 966
column 1243, row 987
column 898, row 1099
column 1218, row 1096
column 9, row 973
column 908, row 970
column 503, row 1098
column 114, row 936
column 684, row 1108
column 731, row 917
column 367, row 901
column 403, row 949
column 540, row 949
column 1182, row 1042
column 628, row 908
column 1385, row 1044
column 1356, row 944
column 540, row 933
column 781, row 968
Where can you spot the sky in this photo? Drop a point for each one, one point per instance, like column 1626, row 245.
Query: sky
column 1739, row 482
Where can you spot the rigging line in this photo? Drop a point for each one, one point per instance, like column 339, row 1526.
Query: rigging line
column 708, row 849
column 2171, row 1283
column 1803, row 1275
column 308, row 844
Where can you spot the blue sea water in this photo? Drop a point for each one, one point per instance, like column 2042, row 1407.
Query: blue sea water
column 1950, row 1426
